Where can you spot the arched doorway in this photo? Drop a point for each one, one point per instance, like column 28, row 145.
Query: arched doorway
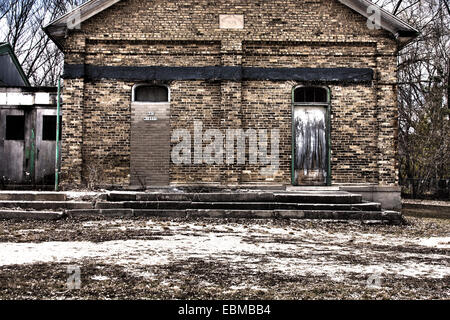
column 311, row 136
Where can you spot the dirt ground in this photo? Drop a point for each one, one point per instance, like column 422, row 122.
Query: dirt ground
column 224, row 259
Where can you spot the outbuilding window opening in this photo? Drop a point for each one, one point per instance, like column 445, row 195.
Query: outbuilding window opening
column 15, row 128
column 310, row 95
column 151, row 93
column 49, row 128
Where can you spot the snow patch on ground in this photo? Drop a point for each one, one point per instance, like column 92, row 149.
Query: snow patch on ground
column 436, row 242
column 74, row 195
column 259, row 248
column 100, row 278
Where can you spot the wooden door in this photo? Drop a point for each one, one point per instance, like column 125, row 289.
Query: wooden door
column 12, row 146
column 45, row 146
column 310, row 145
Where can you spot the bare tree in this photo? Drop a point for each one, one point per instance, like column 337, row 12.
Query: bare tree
column 5, row 6
column 424, row 91
column 22, row 22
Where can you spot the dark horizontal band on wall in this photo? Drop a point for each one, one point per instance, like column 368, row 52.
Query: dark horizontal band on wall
column 91, row 72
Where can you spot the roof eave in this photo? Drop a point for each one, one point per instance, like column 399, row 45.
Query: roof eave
column 57, row 36
column 388, row 21
column 57, row 29
column 405, row 37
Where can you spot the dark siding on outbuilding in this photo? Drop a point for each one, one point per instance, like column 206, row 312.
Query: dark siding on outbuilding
column 9, row 74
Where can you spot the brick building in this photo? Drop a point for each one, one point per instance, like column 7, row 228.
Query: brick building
column 317, row 74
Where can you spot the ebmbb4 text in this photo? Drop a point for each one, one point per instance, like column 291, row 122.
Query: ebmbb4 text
column 226, row 309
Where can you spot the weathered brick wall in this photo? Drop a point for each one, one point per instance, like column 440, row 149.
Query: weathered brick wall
column 292, row 33
column 353, row 134
column 106, row 132
column 291, row 20
column 152, row 53
column 72, row 133
column 195, row 101
column 268, row 105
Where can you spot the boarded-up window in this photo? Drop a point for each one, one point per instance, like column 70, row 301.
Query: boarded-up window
column 147, row 93
column 310, row 95
column 15, row 128
column 49, row 128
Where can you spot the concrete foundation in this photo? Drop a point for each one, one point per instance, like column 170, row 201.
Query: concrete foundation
column 388, row 196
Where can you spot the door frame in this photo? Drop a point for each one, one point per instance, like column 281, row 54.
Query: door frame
column 327, row 106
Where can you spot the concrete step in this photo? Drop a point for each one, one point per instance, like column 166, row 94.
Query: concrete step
column 46, row 205
column 31, row 196
column 88, row 213
column 289, row 197
column 291, row 214
column 314, row 197
column 312, row 188
column 389, row 216
column 370, row 206
column 297, row 204
column 30, row 215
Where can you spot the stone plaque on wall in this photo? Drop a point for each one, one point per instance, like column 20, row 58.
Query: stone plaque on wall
column 231, row 21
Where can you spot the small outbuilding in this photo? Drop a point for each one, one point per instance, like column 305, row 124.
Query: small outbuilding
column 27, row 127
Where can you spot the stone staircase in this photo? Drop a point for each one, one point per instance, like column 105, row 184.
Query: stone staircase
column 315, row 204
column 29, row 205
